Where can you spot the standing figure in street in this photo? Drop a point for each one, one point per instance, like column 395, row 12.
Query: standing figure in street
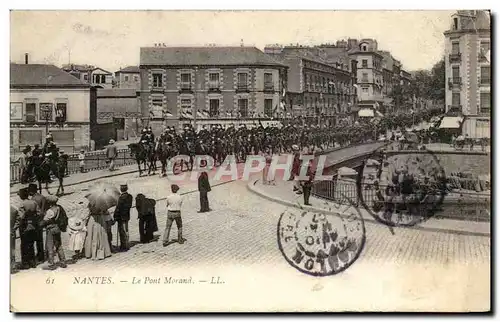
column 41, row 208
column 97, row 244
column 122, row 216
column 77, row 232
column 174, row 205
column 147, row 218
column 28, row 224
column 14, row 226
column 307, row 184
column 204, row 188
column 81, row 158
column 111, row 153
column 54, row 223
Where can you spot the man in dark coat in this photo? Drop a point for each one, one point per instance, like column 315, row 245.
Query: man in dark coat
column 204, row 188
column 122, row 216
column 307, row 184
column 42, row 207
column 28, row 224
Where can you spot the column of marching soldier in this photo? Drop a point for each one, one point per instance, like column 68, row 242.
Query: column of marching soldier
column 38, row 213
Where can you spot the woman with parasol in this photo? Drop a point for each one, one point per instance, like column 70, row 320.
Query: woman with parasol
column 101, row 198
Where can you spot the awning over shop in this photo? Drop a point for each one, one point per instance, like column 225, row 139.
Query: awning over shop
column 365, row 112
column 379, row 114
column 451, row 122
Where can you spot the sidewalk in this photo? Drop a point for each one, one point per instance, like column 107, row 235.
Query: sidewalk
column 448, row 148
column 282, row 193
column 78, row 178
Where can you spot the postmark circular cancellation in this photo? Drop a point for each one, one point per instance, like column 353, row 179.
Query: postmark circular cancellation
column 321, row 243
column 402, row 187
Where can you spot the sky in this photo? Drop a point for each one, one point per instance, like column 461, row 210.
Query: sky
column 111, row 39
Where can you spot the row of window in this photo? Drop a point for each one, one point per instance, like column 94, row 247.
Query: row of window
column 32, row 111
column 330, row 102
column 376, row 64
column 127, row 78
column 484, row 47
column 484, row 102
column 315, row 83
column 214, row 81
column 214, row 107
column 484, row 77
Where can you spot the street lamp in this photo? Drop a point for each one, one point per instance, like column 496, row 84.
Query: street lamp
column 46, row 114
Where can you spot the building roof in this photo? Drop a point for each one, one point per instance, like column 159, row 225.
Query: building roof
column 82, row 68
column 116, row 92
column 129, row 69
column 39, row 75
column 213, row 56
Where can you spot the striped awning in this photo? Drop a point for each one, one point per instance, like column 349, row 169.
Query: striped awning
column 365, row 112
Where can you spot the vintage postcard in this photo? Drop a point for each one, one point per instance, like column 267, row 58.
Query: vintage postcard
column 229, row 161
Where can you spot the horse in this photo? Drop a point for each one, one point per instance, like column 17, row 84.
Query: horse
column 43, row 169
column 164, row 152
column 144, row 154
column 187, row 148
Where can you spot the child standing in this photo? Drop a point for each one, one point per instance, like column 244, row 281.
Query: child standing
column 81, row 157
column 77, row 232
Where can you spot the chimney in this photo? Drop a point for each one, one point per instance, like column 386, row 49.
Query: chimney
column 26, row 58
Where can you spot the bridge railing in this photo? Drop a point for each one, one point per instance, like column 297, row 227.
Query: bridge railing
column 95, row 160
column 472, row 206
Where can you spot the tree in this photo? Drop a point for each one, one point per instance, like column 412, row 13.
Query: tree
column 438, row 81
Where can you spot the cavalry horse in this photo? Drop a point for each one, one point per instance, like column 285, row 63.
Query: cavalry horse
column 144, row 154
column 42, row 168
column 165, row 151
column 187, row 147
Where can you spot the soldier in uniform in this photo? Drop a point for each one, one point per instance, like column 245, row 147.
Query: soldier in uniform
column 143, row 136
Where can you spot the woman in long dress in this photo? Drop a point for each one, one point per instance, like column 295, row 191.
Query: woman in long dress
column 96, row 242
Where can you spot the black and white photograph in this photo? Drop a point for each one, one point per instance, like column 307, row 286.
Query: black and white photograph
column 250, row 161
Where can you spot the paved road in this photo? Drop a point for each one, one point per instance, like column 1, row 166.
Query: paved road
column 237, row 240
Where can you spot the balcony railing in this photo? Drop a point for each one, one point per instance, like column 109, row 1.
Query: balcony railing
column 214, row 87
column 454, row 110
column 455, row 57
column 242, row 87
column 485, row 81
column 185, row 87
column 269, row 87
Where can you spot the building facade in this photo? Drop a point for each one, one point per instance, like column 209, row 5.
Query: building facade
column 128, row 78
column 121, row 109
column 208, row 85
column 468, row 72
column 317, row 91
column 43, row 99
column 96, row 77
column 369, row 75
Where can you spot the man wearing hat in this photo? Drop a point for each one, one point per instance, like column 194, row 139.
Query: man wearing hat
column 122, row 216
column 28, row 223
column 111, row 153
column 41, row 202
column 53, row 233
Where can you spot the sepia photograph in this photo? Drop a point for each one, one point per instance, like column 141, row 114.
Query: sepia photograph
column 250, row 161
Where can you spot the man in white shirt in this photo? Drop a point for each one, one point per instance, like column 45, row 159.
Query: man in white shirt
column 174, row 204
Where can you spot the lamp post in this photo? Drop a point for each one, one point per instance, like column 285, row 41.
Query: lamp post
column 46, row 114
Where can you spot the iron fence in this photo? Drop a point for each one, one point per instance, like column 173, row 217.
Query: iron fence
column 468, row 206
column 95, row 160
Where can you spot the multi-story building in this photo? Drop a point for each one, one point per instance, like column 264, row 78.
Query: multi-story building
column 468, row 74
column 43, row 98
column 208, row 85
column 95, row 76
column 128, row 77
column 318, row 91
column 369, row 75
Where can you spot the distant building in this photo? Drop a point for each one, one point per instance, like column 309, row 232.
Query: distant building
column 209, row 85
column 128, row 77
column 369, row 74
column 468, row 71
column 44, row 96
column 318, row 91
column 119, row 108
column 89, row 74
